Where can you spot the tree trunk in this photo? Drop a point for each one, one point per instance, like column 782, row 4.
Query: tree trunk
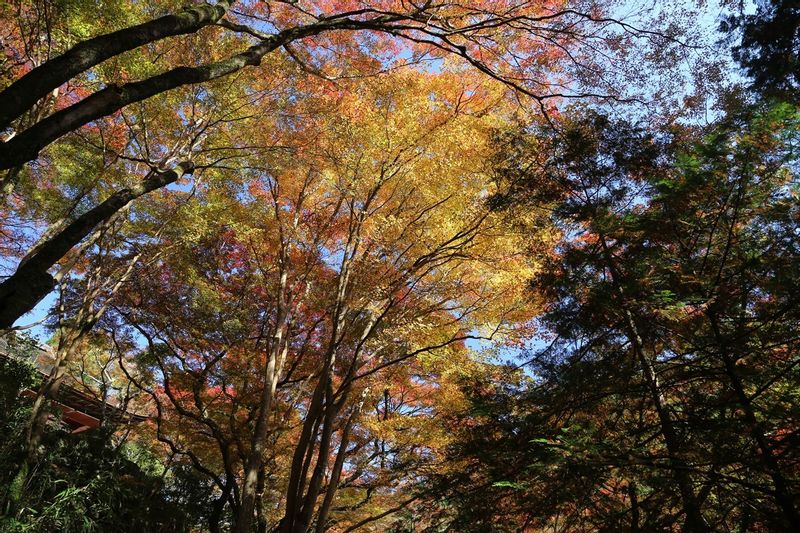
column 261, row 519
column 255, row 458
column 332, row 409
column 69, row 339
column 695, row 522
column 322, row 408
column 302, row 452
column 278, row 349
column 634, row 507
column 336, row 473
column 48, row 391
column 217, row 507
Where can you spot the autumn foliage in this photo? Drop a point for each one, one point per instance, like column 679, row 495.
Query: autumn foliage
column 396, row 266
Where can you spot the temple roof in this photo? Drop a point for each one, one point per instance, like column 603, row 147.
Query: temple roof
column 81, row 407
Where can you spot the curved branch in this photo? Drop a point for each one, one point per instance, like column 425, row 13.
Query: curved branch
column 26, row 91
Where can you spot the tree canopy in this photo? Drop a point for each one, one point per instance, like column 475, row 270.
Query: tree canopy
column 335, row 266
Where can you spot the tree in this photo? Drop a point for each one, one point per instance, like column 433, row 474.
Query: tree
column 770, row 47
column 685, row 234
column 273, row 318
column 280, row 224
column 87, row 482
column 95, row 178
column 593, row 177
column 468, row 32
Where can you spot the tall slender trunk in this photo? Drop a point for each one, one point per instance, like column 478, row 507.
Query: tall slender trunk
column 332, row 410
column 323, row 407
column 261, row 520
column 634, row 507
column 37, row 420
column 694, row 517
column 278, row 349
column 69, row 340
column 255, row 458
column 694, row 522
column 301, row 458
column 336, row 473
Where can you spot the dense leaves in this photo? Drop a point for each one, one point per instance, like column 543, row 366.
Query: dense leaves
column 672, row 322
column 769, row 50
column 326, row 265
column 88, row 482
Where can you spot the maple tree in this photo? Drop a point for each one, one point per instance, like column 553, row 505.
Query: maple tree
column 498, row 38
column 352, row 253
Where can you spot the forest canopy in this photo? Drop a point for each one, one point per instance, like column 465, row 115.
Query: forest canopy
column 345, row 265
